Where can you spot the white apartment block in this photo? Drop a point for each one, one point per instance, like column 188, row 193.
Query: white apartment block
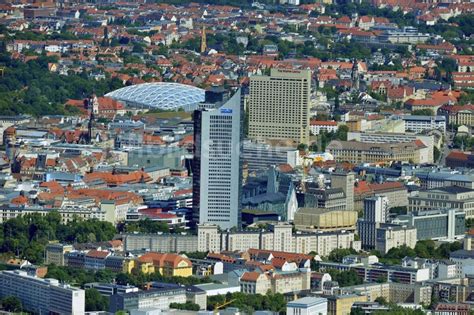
column 307, row 306
column 316, row 126
column 421, row 123
column 389, row 137
column 280, row 238
column 210, row 239
column 43, row 296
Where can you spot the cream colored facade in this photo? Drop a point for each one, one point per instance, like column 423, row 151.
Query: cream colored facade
column 280, row 238
column 260, row 286
column 55, row 253
column 279, row 105
column 463, row 117
column 277, row 282
column 208, row 238
column 392, row 292
column 67, row 214
column 341, row 304
column 361, row 152
column 308, row 219
column 390, row 237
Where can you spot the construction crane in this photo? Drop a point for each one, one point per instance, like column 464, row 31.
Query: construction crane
column 217, row 307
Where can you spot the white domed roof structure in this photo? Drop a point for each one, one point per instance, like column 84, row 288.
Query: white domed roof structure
column 161, row 95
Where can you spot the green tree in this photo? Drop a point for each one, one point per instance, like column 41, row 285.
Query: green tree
column 436, row 154
column 422, row 112
column 337, row 254
column 188, row 306
column 357, row 311
column 302, row 147
column 95, row 301
column 12, row 304
column 345, row 278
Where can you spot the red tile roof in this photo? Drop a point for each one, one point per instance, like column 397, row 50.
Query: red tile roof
column 99, row 254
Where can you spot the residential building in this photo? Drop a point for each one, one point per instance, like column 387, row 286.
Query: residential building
column 444, row 224
column 390, row 236
column 279, row 105
column 95, row 259
column 318, row 126
column 464, row 260
column 55, row 253
column 253, row 282
column 458, row 114
column 168, row 265
column 451, row 309
column 392, row 292
column 43, row 296
column 378, row 272
column 164, row 243
column 456, row 290
column 449, row 197
column 278, row 237
column 307, row 306
column 468, row 240
column 217, row 167
column 419, row 124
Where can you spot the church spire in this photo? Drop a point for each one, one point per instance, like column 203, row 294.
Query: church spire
column 203, row 40
column 355, row 75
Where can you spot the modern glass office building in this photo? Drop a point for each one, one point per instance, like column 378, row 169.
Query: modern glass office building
column 217, row 167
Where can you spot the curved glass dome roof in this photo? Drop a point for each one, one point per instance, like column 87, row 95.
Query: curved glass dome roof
column 162, row 95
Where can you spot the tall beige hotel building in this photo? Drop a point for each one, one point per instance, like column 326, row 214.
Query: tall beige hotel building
column 279, row 105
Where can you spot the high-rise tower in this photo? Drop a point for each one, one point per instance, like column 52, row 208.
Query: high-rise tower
column 355, row 77
column 203, row 40
column 217, row 167
column 340, row 179
column 279, row 105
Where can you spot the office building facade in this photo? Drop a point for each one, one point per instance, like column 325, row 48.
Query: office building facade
column 421, row 123
column 217, row 167
column 443, row 224
column 346, row 182
column 376, row 209
column 154, row 298
column 450, row 197
column 279, row 105
column 260, row 156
